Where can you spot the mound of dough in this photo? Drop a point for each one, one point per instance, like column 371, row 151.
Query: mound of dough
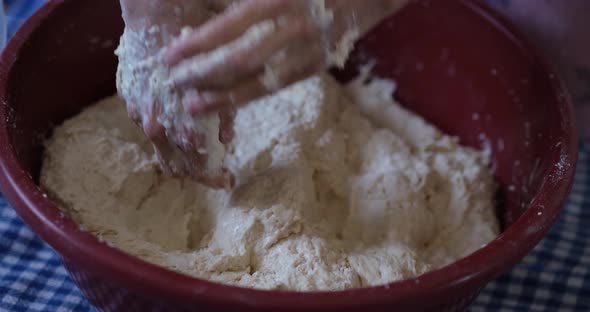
column 338, row 187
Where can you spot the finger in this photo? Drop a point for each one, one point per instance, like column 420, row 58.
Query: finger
column 132, row 112
column 224, row 180
column 197, row 170
column 245, row 61
column 226, row 124
column 195, row 158
column 157, row 135
column 190, row 141
column 224, row 28
column 250, row 90
column 192, row 145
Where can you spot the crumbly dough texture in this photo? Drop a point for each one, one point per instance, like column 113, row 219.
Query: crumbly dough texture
column 338, row 187
column 145, row 83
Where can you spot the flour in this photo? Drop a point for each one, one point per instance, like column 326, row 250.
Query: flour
column 331, row 194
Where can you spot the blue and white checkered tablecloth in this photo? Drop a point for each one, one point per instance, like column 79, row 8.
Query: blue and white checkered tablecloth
column 555, row 277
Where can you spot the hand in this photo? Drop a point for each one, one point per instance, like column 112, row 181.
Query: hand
column 184, row 159
column 179, row 151
column 302, row 44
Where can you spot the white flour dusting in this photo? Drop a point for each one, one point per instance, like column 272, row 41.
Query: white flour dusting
column 326, row 199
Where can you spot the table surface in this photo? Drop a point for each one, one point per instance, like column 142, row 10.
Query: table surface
column 554, row 277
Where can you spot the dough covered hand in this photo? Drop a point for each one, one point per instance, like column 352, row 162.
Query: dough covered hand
column 283, row 41
column 182, row 144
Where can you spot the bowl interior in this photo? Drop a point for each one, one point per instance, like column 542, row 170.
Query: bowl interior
column 453, row 64
column 59, row 70
column 460, row 74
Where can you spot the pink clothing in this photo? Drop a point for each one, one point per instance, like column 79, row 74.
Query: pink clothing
column 560, row 28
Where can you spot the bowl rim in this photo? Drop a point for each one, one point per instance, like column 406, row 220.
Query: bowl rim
column 66, row 237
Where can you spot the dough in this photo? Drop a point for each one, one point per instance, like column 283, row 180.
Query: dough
column 338, row 187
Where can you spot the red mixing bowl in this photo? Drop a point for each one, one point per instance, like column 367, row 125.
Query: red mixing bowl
column 456, row 62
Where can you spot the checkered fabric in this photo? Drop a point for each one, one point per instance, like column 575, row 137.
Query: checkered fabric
column 17, row 11
column 32, row 277
column 554, row 277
